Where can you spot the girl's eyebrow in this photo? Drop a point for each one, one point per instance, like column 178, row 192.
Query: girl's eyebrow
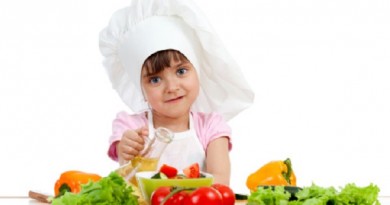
column 181, row 63
column 147, row 75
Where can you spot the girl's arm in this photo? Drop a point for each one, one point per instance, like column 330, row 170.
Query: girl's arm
column 218, row 161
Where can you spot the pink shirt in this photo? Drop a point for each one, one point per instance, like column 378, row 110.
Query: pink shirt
column 208, row 127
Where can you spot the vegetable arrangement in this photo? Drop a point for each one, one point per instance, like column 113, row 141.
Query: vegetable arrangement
column 108, row 190
column 272, row 184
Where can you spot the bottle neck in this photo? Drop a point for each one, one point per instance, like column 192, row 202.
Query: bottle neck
column 156, row 146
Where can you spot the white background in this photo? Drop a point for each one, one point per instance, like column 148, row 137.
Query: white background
column 320, row 71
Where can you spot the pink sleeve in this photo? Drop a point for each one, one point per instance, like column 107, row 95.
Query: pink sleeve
column 121, row 124
column 210, row 127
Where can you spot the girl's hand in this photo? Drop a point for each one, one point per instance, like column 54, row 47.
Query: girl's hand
column 131, row 144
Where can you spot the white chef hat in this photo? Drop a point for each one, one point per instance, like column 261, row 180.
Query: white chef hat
column 148, row 26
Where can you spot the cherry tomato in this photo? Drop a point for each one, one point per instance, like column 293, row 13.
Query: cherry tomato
column 161, row 193
column 192, row 171
column 227, row 193
column 169, row 171
column 204, row 195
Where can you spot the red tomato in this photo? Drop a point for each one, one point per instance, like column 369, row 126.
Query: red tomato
column 192, row 171
column 161, row 193
column 169, row 171
column 204, row 195
column 177, row 199
column 227, row 193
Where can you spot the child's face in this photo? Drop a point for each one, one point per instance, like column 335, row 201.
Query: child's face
column 172, row 91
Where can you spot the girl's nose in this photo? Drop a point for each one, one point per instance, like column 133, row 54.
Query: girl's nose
column 172, row 84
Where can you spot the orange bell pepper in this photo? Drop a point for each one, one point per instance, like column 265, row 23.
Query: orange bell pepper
column 274, row 173
column 71, row 181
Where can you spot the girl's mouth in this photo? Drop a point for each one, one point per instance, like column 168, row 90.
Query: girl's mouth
column 174, row 99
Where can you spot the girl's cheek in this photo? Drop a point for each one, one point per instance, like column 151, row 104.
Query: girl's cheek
column 153, row 93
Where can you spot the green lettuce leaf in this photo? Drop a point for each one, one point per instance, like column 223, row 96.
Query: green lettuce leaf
column 268, row 196
column 352, row 194
column 108, row 190
column 316, row 195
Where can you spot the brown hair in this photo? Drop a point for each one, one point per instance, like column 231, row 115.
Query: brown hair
column 156, row 62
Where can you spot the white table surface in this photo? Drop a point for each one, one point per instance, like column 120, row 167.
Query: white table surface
column 25, row 200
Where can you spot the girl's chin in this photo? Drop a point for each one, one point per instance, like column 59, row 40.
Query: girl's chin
column 173, row 112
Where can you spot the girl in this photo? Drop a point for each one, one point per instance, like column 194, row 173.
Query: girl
column 168, row 66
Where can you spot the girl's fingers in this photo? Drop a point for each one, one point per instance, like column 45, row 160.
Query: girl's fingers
column 144, row 132
column 127, row 157
column 133, row 145
column 129, row 153
column 132, row 135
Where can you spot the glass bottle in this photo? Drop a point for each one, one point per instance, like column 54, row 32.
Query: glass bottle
column 149, row 156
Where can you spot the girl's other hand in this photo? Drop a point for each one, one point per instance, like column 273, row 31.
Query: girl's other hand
column 131, row 144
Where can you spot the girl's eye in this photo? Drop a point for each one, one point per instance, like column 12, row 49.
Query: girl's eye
column 181, row 71
column 154, row 80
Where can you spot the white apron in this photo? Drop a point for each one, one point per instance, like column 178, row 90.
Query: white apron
column 184, row 150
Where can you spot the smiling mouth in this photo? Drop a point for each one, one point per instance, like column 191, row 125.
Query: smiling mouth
column 174, row 99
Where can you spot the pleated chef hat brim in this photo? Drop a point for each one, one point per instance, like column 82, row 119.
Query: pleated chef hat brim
column 148, row 26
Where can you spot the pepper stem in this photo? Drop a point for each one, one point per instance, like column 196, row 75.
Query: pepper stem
column 63, row 188
column 287, row 174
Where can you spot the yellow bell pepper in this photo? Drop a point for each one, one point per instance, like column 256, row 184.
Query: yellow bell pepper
column 274, row 173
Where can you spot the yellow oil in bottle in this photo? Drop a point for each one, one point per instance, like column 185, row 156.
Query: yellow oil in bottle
column 147, row 164
column 143, row 164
